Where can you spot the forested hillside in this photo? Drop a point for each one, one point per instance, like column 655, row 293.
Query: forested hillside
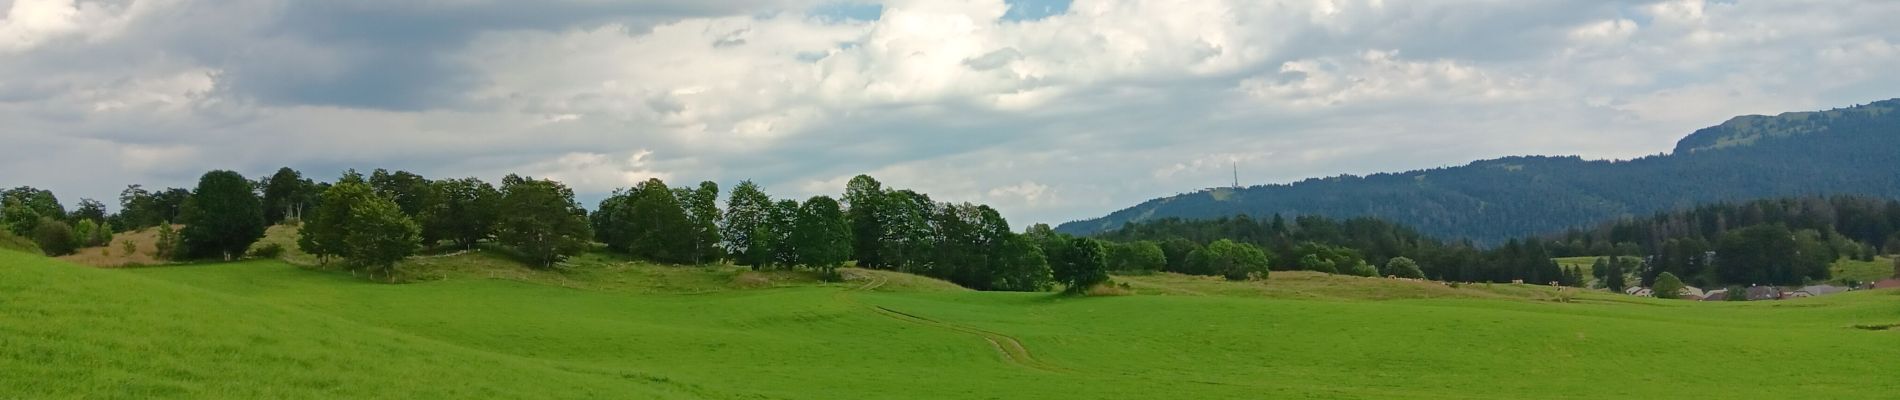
column 1844, row 151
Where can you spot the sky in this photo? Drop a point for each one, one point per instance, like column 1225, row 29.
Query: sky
column 1048, row 110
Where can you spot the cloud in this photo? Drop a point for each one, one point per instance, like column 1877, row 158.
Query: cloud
column 1049, row 110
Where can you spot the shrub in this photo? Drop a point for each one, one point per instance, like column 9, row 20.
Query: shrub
column 1667, row 286
column 1404, row 268
column 54, row 237
column 1362, row 269
column 267, row 250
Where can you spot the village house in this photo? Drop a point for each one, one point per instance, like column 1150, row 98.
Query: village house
column 1763, row 293
column 1716, row 295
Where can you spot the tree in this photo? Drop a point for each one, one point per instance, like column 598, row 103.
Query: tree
column 411, row 192
column 137, row 208
column 1020, row 266
column 909, row 237
column 1893, row 245
column 284, row 195
column 378, row 235
column 1078, row 264
column 463, row 211
column 1762, row 254
column 541, row 221
column 20, row 219
column 1233, row 260
column 101, row 236
column 865, row 196
column 41, row 201
column 83, row 231
column 773, row 239
column 821, row 236
column 166, row 245
column 647, row 222
column 54, row 237
column 702, row 215
column 325, row 231
column 746, row 212
column 89, row 209
column 1136, row 256
column 1314, row 262
column 1613, row 275
column 1404, row 268
column 222, row 218
column 1667, row 286
column 1176, row 250
column 1361, row 268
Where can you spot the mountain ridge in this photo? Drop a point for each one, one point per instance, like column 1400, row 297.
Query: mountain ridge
column 1854, row 150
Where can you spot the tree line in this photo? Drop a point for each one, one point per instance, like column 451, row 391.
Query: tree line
column 1358, row 246
column 1773, row 241
column 1766, row 242
column 370, row 223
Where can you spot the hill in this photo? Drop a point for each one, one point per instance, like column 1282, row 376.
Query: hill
column 265, row 329
column 1843, row 151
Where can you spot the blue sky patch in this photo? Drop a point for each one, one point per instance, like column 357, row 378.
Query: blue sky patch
column 1031, row 10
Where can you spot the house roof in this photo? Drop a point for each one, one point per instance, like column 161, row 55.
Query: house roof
column 1818, row 290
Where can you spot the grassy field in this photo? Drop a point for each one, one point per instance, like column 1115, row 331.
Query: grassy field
column 611, row 328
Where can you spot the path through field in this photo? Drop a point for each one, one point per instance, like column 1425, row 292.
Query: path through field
column 1009, row 348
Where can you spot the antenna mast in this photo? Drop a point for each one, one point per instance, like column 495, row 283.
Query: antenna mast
column 1236, row 174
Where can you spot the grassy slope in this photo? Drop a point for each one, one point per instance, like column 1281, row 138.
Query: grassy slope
column 1204, row 339
column 9, row 241
column 67, row 331
column 144, row 241
column 1863, row 271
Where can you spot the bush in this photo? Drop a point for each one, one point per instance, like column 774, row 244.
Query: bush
column 268, row 250
column 1667, row 286
column 54, row 237
column 1404, row 268
column 1362, row 269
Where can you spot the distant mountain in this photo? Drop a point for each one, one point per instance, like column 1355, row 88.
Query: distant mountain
column 1843, row 151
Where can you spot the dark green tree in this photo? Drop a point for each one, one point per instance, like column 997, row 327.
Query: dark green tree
column 222, row 218
column 655, row 226
column 702, row 214
column 1404, row 268
column 326, row 228
column 463, row 211
column 1079, row 264
column 378, row 235
column 410, row 191
column 747, row 210
column 1176, row 251
column 1140, row 256
column 89, row 209
column 865, row 197
column 541, row 221
column 821, row 236
column 41, row 201
column 1613, row 276
column 284, row 195
column 54, row 237
column 1233, row 260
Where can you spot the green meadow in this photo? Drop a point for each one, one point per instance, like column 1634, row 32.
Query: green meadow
column 478, row 327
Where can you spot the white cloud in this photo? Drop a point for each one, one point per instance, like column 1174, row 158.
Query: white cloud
column 1064, row 117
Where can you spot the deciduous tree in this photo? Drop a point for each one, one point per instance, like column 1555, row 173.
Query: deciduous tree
column 222, row 218
column 541, row 221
